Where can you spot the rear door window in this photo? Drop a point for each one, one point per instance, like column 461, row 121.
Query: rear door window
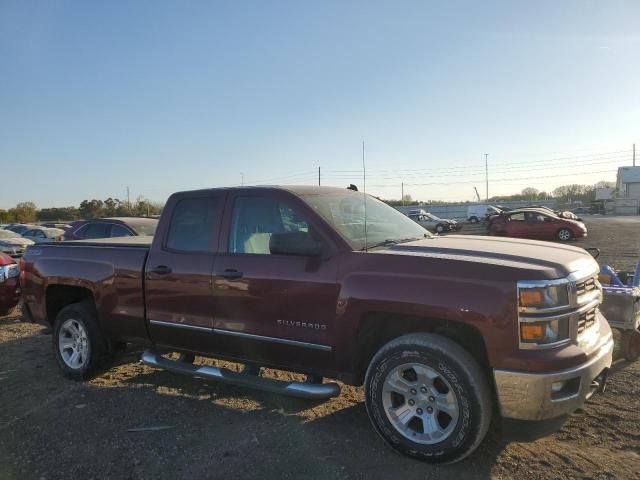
column 194, row 225
column 94, row 230
column 120, row 231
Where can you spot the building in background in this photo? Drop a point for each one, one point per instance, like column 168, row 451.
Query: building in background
column 628, row 186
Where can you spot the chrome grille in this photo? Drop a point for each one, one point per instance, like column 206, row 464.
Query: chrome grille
column 586, row 319
column 586, row 286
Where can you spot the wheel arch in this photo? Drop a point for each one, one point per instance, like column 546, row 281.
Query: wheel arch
column 58, row 296
column 378, row 328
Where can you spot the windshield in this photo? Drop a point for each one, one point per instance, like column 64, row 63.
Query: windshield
column 8, row 234
column 345, row 212
column 432, row 216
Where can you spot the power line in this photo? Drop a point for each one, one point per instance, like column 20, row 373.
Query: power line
column 496, row 170
column 478, row 167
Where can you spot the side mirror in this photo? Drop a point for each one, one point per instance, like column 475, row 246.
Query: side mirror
column 294, row 243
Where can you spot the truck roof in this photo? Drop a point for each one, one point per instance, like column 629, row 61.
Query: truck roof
column 295, row 189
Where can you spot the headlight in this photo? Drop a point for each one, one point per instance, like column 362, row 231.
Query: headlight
column 549, row 296
column 9, row 271
column 544, row 333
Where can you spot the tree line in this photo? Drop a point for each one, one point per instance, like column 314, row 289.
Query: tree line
column 566, row 194
column 27, row 212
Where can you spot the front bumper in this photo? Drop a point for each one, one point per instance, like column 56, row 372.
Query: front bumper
column 529, row 396
column 9, row 294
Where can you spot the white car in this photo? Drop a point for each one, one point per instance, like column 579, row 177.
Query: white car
column 479, row 213
column 40, row 234
column 12, row 243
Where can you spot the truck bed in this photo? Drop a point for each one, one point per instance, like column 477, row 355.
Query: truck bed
column 141, row 242
column 112, row 270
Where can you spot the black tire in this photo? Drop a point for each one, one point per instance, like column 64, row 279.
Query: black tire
column 97, row 353
column 468, row 383
column 473, row 220
column 630, row 345
column 440, row 228
column 564, row 235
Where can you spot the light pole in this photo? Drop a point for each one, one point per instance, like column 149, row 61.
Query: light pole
column 486, row 173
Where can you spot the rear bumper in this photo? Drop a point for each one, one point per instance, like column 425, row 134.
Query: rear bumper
column 544, row 396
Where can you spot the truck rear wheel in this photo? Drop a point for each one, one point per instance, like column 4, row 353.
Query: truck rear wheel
column 428, row 398
column 78, row 344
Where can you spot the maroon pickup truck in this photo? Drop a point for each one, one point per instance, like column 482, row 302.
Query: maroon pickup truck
column 444, row 332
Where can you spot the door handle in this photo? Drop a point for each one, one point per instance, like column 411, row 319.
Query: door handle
column 161, row 269
column 231, row 274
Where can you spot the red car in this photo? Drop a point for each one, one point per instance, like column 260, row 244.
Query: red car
column 9, row 284
column 536, row 224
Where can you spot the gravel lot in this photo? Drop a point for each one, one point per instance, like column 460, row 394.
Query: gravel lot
column 55, row 428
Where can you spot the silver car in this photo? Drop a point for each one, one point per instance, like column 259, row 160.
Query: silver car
column 41, row 234
column 433, row 223
column 12, row 243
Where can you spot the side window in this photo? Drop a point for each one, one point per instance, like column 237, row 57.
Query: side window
column 255, row 219
column 94, row 230
column 518, row 217
column 40, row 234
column 120, row 231
column 193, row 225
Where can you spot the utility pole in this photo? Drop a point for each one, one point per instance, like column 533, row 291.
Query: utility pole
column 486, row 173
column 402, row 194
column 241, row 179
column 634, row 154
column 318, row 176
column 128, row 200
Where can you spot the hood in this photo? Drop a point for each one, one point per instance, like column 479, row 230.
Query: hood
column 545, row 259
column 16, row 241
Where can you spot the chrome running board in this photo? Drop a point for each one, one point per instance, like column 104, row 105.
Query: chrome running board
column 309, row 391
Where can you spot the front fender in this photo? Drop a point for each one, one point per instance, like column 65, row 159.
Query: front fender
column 487, row 306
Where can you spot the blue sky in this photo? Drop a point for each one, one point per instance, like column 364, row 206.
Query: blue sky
column 164, row 96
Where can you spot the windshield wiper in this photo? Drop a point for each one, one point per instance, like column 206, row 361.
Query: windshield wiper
column 391, row 241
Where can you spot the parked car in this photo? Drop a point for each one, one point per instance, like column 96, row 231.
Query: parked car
column 536, row 224
column 13, row 244
column 433, row 223
column 111, row 227
column 40, row 234
column 559, row 213
column 443, row 331
column 63, row 226
column 9, row 284
column 20, row 228
column 581, row 211
column 480, row 213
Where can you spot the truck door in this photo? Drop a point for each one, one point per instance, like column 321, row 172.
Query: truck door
column 273, row 308
column 178, row 287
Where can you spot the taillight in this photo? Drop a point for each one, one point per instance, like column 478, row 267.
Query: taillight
column 23, row 272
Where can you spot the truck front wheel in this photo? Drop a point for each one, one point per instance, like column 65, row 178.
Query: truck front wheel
column 428, row 398
column 78, row 344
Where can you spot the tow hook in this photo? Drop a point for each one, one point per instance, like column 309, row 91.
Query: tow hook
column 599, row 384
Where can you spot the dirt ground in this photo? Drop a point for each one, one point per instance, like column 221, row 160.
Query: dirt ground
column 52, row 428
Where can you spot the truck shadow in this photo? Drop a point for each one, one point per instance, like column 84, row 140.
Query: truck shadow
column 186, row 427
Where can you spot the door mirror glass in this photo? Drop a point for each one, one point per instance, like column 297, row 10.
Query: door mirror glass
column 294, row 243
